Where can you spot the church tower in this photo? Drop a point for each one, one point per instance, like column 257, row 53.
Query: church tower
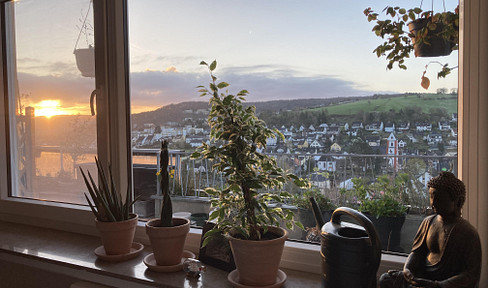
column 392, row 149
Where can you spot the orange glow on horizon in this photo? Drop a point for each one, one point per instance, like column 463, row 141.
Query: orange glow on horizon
column 49, row 108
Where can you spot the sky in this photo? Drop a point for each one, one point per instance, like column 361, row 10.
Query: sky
column 276, row 49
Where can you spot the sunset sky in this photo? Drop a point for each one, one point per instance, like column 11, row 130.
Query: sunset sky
column 276, row 49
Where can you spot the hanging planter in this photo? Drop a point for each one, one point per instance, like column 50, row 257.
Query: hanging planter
column 429, row 34
column 85, row 57
column 428, row 42
column 85, row 61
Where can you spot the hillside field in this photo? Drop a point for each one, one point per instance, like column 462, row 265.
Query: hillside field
column 380, row 104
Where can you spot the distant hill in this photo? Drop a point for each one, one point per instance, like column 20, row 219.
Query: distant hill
column 393, row 102
column 47, row 130
column 176, row 112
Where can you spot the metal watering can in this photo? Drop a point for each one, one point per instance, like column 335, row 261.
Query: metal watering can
column 350, row 256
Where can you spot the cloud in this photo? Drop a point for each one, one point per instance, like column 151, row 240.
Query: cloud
column 158, row 88
column 37, row 66
column 263, row 83
column 71, row 91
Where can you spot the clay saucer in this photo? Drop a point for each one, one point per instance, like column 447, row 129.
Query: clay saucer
column 134, row 251
column 150, row 262
column 233, row 278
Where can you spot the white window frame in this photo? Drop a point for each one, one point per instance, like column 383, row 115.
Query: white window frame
column 113, row 99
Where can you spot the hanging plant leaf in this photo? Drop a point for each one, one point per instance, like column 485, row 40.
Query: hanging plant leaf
column 425, row 83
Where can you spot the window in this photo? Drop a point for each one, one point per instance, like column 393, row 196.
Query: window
column 340, row 111
column 472, row 120
column 52, row 133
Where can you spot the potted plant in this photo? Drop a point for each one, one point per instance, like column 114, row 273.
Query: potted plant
column 85, row 61
column 167, row 234
column 241, row 209
column 304, row 211
column 112, row 213
column 85, row 57
column 425, row 33
column 382, row 203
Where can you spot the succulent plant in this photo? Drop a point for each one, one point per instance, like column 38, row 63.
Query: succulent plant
column 106, row 202
column 163, row 177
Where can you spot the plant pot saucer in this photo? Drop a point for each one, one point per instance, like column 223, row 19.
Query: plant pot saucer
column 233, row 278
column 152, row 265
column 134, row 251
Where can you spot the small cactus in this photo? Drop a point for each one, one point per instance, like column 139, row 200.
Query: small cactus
column 163, row 177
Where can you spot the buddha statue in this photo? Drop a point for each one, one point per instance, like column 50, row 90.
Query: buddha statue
column 446, row 251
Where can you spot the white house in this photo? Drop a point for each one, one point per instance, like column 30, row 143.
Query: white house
column 421, row 127
column 412, row 138
column 434, row 138
column 444, row 126
column 348, row 185
column 375, row 126
column 315, row 144
column 326, row 164
column 402, row 127
column 149, row 128
column 319, row 181
column 357, row 125
column 390, row 127
column 373, row 140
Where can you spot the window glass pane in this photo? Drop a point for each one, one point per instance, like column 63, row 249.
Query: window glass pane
column 51, row 130
column 312, row 73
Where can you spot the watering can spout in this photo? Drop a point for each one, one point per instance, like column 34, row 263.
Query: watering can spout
column 317, row 214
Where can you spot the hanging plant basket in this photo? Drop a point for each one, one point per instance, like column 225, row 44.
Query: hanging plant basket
column 436, row 45
column 85, row 61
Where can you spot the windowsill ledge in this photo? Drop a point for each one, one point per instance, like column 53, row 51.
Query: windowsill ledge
column 72, row 254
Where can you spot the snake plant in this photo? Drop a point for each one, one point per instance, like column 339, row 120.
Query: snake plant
column 106, row 202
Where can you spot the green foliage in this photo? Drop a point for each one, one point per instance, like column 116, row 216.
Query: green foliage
column 399, row 42
column 163, row 178
column 303, row 201
column 384, row 197
column 106, row 203
column 237, row 134
column 401, row 108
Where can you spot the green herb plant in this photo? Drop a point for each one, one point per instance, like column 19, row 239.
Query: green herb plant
column 303, row 201
column 237, row 134
column 382, row 198
column 106, row 202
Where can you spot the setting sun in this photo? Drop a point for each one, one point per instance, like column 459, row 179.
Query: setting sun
column 48, row 108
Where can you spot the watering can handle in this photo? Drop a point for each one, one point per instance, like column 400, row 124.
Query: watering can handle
column 366, row 223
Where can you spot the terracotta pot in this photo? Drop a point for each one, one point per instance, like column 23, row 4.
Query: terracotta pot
column 117, row 237
column 257, row 262
column 168, row 242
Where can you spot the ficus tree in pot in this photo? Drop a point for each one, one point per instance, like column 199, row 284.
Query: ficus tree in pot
column 241, row 208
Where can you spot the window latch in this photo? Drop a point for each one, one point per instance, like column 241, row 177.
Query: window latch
column 92, row 100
